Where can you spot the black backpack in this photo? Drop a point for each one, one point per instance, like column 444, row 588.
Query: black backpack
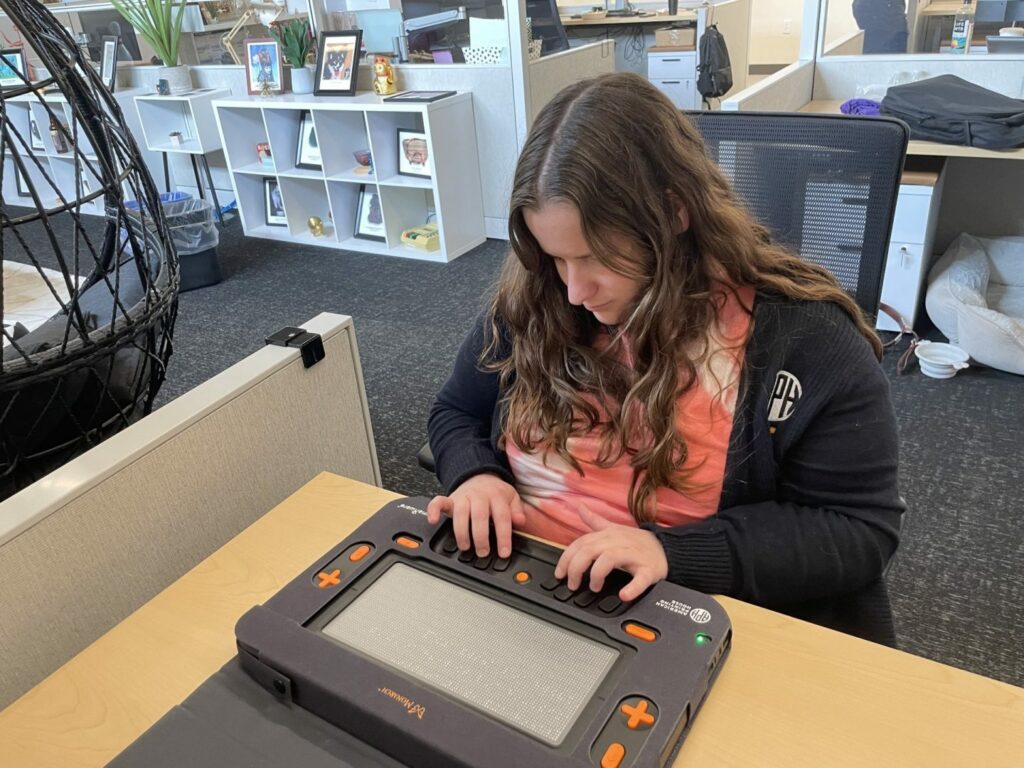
column 953, row 111
column 714, row 73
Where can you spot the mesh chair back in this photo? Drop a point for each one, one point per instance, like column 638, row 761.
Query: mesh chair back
column 825, row 185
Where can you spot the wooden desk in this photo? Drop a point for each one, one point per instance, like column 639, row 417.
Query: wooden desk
column 568, row 21
column 930, row 148
column 791, row 694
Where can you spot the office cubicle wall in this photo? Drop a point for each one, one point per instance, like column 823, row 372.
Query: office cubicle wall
column 88, row 544
column 785, row 91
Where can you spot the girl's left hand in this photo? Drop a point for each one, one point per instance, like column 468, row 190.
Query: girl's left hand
column 634, row 550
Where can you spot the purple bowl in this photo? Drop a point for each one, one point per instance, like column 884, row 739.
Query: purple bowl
column 362, row 156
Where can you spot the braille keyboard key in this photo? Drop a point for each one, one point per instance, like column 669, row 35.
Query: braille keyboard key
column 585, row 598
column 501, row 564
column 467, row 556
column 563, row 593
column 483, row 563
column 550, row 583
column 450, row 546
column 609, row 604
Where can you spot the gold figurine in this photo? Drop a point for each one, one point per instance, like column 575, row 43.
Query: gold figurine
column 316, row 226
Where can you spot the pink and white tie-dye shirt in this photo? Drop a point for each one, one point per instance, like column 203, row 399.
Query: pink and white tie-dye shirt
column 552, row 490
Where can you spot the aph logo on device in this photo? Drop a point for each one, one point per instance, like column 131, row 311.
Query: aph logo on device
column 785, row 394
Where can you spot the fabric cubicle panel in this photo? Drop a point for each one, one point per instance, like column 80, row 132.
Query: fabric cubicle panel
column 114, row 527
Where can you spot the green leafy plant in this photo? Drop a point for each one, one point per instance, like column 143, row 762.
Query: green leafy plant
column 159, row 23
column 296, row 40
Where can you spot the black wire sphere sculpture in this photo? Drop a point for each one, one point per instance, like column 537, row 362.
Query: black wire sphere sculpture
column 86, row 248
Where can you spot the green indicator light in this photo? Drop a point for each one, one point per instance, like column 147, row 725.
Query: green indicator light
column 702, row 639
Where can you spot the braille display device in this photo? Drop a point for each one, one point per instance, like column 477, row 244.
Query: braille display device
column 439, row 658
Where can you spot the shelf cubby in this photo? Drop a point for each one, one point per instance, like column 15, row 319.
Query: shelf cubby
column 452, row 197
column 303, row 199
column 246, row 129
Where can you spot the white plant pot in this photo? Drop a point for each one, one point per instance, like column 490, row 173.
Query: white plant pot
column 302, row 80
column 178, row 78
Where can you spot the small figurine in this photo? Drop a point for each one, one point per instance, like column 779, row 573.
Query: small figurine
column 265, row 89
column 316, row 226
column 383, row 76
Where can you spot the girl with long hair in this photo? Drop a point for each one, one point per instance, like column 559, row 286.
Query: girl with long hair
column 662, row 389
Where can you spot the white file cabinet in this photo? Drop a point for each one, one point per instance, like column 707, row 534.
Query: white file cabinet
column 910, row 246
column 674, row 72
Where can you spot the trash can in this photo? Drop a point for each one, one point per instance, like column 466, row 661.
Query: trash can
column 195, row 237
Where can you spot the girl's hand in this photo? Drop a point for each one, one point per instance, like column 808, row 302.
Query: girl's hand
column 610, row 546
column 473, row 505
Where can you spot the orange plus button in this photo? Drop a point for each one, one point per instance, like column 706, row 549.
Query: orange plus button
column 329, row 579
column 359, row 553
column 638, row 715
column 613, row 755
column 521, row 577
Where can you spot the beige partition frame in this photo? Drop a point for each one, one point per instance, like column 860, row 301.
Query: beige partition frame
column 85, row 546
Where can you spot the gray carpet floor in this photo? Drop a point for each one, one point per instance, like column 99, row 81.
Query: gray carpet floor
column 958, row 579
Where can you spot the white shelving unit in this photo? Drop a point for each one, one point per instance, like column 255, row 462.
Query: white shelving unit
column 452, row 197
column 191, row 114
column 65, row 185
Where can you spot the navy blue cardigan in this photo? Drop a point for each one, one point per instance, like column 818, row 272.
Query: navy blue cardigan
column 810, row 511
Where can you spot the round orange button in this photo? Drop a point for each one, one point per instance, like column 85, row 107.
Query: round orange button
column 522, row 577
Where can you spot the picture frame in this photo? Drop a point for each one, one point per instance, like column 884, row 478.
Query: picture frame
column 273, row 203
column 263, row 65
column 35, row 137
column 108, row 61
column 369, row 215
column 337, row 63
column 413, row 154
column 264, row 154
column 419, row 97
column 12, row 67
column 307, row 150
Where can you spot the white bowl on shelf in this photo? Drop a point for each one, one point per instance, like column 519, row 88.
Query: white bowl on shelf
column 939, row 360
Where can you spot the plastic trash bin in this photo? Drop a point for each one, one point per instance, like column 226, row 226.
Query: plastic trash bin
column 195, row 237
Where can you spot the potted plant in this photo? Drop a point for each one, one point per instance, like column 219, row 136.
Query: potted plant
column 296, row 39
column 159, row 23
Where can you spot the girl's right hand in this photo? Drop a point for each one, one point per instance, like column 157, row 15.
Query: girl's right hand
column 473, row 505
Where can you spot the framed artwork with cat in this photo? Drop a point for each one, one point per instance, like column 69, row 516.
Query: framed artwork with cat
column 337, row 63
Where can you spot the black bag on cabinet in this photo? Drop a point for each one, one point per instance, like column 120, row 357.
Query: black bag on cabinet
column 950, row 110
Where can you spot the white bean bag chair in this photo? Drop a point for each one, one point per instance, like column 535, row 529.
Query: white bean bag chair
column 976, row 298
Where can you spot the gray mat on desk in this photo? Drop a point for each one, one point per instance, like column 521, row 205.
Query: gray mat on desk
column 231, row 722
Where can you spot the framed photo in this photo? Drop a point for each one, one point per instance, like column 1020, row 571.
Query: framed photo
column 264, row 154
column 413, row 155
column 273, row 203
column 307, row 153
column 263, row 65
column 12, row 67
column 337, row 63
column 369, row 216
column 35, row 138
column 108, row 61
column 419, row 97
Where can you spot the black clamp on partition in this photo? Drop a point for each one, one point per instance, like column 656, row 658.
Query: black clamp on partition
column 309, row 344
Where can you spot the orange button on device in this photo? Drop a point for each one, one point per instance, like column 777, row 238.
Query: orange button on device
column 359, row 553
column 613, row 755
column 329, row 579
column 522, row 577
column 640, row 632
column 407, row 541
column 638, row 715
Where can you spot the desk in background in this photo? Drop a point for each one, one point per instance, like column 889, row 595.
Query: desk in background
column 917, row 212
column 792, row 694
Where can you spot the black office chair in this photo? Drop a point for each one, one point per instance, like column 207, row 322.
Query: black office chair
column 825, row 185
column 547, row 26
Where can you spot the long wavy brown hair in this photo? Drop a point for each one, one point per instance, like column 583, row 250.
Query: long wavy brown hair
column 617, row 150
